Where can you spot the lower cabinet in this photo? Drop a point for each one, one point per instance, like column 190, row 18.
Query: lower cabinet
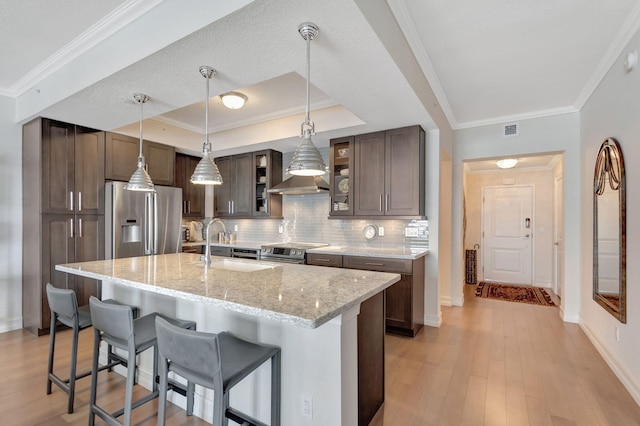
column 404, row 300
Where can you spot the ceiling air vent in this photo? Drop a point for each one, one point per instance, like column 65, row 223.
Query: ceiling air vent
column 510, row 130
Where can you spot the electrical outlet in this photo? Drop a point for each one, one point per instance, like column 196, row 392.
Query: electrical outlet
column 280, row 229
column 411, row 232
column 617, row 334
column 235, row 228
column 381, row 231
column 307, row 406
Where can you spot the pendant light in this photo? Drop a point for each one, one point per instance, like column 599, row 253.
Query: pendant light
column 206, row 172
column 307, row 160
column 140, row 179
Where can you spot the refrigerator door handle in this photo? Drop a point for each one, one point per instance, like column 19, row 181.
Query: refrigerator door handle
column 148, row 224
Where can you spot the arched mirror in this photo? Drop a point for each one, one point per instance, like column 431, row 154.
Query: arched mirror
column 609, row 230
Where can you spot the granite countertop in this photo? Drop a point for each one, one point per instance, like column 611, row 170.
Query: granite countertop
column 393, row 252
column 304, row 295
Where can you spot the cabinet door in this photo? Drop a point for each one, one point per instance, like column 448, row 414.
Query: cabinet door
column 89, row 245
column 369, row 180
column 160, row 160
column 404, row 172
column 222, row 193
column 399, row 299
column 89, row 171
column 341, row 154
column 58, row 140
column 192, row 195
column 57, row 247
column 242, row 198
column 121, row 156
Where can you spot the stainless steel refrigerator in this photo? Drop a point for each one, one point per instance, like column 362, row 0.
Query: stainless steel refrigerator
column 141, row 223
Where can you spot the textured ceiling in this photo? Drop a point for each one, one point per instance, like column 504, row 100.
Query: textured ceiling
column 486, row 61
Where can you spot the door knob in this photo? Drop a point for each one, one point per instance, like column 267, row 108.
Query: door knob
column 526, row 235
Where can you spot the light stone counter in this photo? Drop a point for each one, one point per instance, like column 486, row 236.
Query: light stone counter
column 303, row 295
column 393, row 252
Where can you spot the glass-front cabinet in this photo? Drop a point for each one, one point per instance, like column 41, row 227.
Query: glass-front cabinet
column 341, row 167
column 267, row 172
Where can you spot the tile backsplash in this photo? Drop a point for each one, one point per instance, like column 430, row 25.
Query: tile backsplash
column 306, row 219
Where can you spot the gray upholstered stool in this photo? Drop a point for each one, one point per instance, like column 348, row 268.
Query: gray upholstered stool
column 64, row 308
column 215, row 361
column 115, row 325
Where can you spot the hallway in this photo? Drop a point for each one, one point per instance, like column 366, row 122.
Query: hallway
column 499, row 363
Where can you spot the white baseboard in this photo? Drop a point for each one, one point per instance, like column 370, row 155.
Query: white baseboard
column 10, row 325
column 457, row 301
column 433, row 321
column 445, row 301
column 628, row 380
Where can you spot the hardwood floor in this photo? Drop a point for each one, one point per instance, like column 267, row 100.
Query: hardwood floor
column 499, row 363
column 491, row 363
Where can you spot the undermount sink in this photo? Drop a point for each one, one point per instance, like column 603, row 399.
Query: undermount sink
column 238, row 265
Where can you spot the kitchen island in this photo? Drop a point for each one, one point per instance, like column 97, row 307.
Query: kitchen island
column 312, row 313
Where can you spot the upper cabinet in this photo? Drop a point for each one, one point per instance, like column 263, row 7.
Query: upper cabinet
column 379, row 174
column 246, row 181
column 122, row 157
column 341, row 153
column 193, row 196
column 72, row 164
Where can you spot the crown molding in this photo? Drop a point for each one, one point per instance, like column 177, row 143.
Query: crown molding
column 120, row 17
column 517, row 117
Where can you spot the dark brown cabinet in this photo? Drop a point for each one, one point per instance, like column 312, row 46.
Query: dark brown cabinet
column 246, row 181
column 404, row 300
column 379, row 174
column 193, row 196
column 63, row 211
column 341, row 154
column 122, row 157
column 267, row 172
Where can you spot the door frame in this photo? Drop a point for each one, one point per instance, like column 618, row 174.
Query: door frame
column 533, row 219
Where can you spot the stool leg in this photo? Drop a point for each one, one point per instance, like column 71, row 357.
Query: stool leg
column 72, row 369
column 275, row 389
column 52, row 344
column 225, row 420
column 162, row 400
column 94, row 376
column 128, row 397
column 219, row 407
column 191, row 389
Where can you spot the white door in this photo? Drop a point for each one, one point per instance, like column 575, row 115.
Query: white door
column 559, row 238
column 507, row 229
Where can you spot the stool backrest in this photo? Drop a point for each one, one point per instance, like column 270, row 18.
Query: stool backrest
column 113, row 320
column 194, row 350
column 62, row 301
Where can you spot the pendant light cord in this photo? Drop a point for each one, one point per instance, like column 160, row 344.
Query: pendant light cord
column 141, row 101
column 307, row 119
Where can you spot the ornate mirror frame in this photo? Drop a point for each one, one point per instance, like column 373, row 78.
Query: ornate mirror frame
column 609, row 230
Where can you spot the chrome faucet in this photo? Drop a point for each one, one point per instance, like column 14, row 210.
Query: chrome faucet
column 207, row 250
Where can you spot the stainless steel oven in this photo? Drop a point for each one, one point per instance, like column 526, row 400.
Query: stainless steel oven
column 288, row 252
column 246, row 253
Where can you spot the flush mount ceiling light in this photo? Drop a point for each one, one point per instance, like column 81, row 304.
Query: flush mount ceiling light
column 233, row 100
column 507, row 163
column 206, row 172
column 307, row 160
column 140, row 179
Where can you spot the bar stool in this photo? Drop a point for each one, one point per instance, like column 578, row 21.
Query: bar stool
column 215, row 361
column 64, row 308
column 115, row 325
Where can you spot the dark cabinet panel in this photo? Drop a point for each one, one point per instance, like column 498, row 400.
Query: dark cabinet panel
column 193, row 196
column 334, row 260
column 62, row 213
column 369, row 174
column 160, row 160
column 246, row 181
column 122, row 159
column 386, row 174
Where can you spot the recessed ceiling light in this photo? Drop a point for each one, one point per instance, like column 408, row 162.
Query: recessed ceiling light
column 233, row 100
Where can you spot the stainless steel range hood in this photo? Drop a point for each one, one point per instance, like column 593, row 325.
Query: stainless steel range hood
column 301, row 185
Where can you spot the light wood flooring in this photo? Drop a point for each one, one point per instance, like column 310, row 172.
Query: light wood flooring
column 491, row 363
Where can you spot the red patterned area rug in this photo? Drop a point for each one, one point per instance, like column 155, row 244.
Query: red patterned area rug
column 514, row 293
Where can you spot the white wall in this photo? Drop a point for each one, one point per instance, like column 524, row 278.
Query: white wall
column 612, row 111
column 10, row 217
column 558, row 133
column 542, row 225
